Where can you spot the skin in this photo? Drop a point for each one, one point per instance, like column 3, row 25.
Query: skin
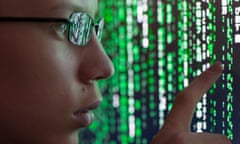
column 44, row 79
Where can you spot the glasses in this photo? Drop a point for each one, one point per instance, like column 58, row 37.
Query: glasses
column 78, row 26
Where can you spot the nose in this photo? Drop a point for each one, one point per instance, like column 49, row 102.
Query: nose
column 94, row 62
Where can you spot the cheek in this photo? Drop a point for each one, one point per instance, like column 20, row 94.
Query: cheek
column 36, row 84
column 35, row 63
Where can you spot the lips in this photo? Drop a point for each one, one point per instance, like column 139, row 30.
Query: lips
column 84, row 116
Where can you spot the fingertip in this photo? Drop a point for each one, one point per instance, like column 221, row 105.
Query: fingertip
column 217, row 67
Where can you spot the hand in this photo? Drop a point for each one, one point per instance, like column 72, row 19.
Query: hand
column 176, row 129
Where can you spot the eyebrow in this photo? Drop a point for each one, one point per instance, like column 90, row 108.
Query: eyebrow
column 73, row 7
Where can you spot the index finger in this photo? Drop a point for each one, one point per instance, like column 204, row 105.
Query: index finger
column 181, row 114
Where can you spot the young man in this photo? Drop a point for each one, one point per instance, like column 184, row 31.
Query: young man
column 51, row 60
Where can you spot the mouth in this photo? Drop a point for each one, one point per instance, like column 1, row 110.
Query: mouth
column 84, row 117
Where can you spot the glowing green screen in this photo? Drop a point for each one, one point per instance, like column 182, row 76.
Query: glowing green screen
column 157, row 48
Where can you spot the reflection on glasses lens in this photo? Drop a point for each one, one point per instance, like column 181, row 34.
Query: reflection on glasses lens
column 99, row 28
column 80, row 29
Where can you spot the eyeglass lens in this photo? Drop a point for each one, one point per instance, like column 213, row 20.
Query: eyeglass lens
column 80, row 29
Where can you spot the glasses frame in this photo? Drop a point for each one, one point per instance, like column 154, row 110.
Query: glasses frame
column 70, row 25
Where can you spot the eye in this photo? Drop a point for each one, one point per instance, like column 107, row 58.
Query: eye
column 60, row 29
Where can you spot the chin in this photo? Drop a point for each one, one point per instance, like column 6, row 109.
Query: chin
column 70, row 139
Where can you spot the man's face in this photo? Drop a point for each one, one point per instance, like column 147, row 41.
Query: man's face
column 47, row 85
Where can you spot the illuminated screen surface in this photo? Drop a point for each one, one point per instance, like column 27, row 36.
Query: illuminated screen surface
column 157, row 48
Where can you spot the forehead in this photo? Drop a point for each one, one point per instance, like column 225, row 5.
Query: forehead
column 44, row 7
